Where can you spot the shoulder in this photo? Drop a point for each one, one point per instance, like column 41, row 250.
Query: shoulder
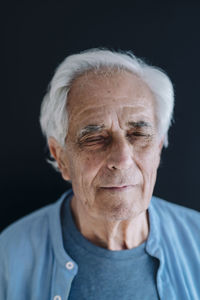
column 33, row 233
column 23, row 243
column 25, row 230
column 35, row 223
column 172, row 208
column 29, row 244
column 178, row 217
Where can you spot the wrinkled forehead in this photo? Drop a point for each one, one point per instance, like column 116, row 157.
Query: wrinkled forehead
column 93, row 77
column 95, row 92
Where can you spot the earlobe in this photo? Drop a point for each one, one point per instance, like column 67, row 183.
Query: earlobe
column 161, row 145
column 55, row 150
column 57, row 153
column 65, row 175
column 53, row 147
column 63, row 166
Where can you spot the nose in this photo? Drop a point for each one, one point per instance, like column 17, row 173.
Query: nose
column 121, row 155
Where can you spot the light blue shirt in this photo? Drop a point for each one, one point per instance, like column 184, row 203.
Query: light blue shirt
column 104, row 274
column 34, row 264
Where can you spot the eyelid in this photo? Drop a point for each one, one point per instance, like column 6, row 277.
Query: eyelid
column 93, row 135
column 138, row 133
column 93, row 138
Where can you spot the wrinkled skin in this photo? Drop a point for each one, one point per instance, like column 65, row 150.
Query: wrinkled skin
column 112, row 167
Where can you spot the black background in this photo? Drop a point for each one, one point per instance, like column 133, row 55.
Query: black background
column 39, row 35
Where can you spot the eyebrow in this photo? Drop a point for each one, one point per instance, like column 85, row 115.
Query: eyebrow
column 139, row 124
column 92, row 128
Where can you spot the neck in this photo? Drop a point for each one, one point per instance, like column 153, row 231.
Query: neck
column 111, row 234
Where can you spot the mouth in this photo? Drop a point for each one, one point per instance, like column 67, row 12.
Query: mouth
column 117, row 188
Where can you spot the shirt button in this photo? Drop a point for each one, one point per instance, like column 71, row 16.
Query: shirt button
column 69, row 265
column 57, row 298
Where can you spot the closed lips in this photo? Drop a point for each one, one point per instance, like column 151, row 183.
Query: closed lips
column 115, row 187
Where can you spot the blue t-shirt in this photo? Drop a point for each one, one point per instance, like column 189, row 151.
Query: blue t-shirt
column 105, row 274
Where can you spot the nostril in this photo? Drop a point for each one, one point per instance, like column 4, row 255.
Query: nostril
column 119, row 160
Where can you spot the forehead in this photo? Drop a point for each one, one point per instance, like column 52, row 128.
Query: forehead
column 95, row 96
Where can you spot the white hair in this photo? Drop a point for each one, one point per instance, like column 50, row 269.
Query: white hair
column 53, row 115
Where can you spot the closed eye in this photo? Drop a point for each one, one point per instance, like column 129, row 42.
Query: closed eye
column 96, row 139
column 140, row 139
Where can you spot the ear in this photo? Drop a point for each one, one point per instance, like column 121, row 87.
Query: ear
column 161, row 144
column 58, row 154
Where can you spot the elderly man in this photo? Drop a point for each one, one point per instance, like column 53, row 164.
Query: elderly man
column 106, row 117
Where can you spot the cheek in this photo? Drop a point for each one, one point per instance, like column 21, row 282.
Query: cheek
column 148, row 165
column 86, row 167
column 148, row 162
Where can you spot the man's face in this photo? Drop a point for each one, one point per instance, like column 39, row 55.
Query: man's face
column 112, row 147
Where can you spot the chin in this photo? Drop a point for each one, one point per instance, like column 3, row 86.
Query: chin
column 122, row 211
column 119, row 214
